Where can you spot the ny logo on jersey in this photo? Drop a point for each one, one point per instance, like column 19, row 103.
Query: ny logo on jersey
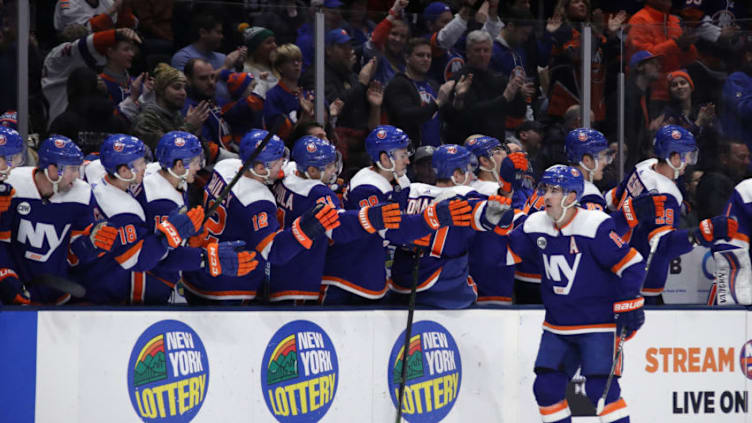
column 36, row 235
column 557, row 265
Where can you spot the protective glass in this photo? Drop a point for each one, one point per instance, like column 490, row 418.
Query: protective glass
column 690, row 157
column 544, row 188
column 606, row 156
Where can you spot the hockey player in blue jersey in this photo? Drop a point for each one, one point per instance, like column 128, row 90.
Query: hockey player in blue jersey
column 249, row 214
column 355, row 272
column 497, row 174
column 588, row 276
column 587, row 150
column 12, row 152
column 318, row 165
column 675, row 149
column 117, row 277
column 443, row 263
column 180, row 156
column 51, row 223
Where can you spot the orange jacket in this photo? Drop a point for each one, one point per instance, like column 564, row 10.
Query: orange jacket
column 655, row 31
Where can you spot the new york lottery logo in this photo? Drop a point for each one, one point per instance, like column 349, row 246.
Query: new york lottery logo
column 434, row 373
column 299, row 373
column 168, row 373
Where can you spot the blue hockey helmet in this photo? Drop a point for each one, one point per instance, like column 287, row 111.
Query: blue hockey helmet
column 567, row 177
column 12, row 148
column 59, row 151
column 120, row 149
column 675, row 139
column 312, row 151
column 583, row 141
column 450, row 157
column 177, row 145
column 274, row 150
column 483, row 146
column 385, row 138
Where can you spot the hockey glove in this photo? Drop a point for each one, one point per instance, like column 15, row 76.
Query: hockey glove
column 630, row 315
column 12, row 290
column 381, row 216
column 227, row 258
column 645, row 208
column 498, row 215
column 103, row 236
column 713, row 229
column 314, row 223
column 200, row 240
column 448, row 213
column 178, row 226
column 6, row 196
column 512, row 168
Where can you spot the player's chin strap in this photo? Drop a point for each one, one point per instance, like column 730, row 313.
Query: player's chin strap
column 130, row 180
column 5, row 172
column 182, row 183
column 564, row 209
column 392, row 169
column 493, row 170
column 54, row 183
column 591, row 172
column 467, row 175
column 677, row 170
column 266, row 178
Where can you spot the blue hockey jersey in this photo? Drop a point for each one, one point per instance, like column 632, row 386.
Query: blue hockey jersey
column 41, row 231
column 118, row 276
column 671, row 242
column 740, row 206
column 248, row 213
column 585, row 268
column 493, row 277
column 359, row 266
column 444, row 273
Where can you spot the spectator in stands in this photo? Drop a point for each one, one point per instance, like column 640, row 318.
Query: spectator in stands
column 566, row 57
column 644, row 69
column 421, row 167
column 155, row 23
column 341, row 83
column 287, row 104
column 95, row 15
column 356, row 15
column 85, row 51
column 332, row 20
column 717, row 184
column 489, row 98
column 529, row 136
column 115, row 72
column 387, row 44
column 260, row 43
column 88, row 111
column 245, row 110
column 201, row 90
column 737, row 99
column 655, row 30
column 552, row 147
column 508, row 47
column 209, row 31
column 312, row 128
column 412, row 102
column 9, row 119
column 162, row 116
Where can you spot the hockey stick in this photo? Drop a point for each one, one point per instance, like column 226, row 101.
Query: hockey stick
column 408, row 334
column 61, row 284
column 246, row 165
column 623, row 335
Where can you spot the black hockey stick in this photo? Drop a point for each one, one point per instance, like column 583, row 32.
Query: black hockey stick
column 408, row 334
column 61, row 284
column 623, row 336
column 246, row 165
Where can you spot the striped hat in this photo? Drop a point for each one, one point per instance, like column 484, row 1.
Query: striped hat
column 237, row 82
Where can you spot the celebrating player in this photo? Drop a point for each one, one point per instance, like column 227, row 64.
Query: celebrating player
column 588, row 274
column 587, row 151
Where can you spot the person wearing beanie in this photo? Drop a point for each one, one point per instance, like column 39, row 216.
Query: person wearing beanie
column 163, row 116
column 680, row 110
column 245, row 110
column 260, row 43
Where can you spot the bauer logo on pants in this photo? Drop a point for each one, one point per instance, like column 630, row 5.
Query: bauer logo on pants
column 168, row 373
column 299, row 373
column 434, row 373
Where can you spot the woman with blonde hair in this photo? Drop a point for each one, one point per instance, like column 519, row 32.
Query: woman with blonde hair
column 287, row 104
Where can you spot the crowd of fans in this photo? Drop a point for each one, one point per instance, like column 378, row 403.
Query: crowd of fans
column 441, row 71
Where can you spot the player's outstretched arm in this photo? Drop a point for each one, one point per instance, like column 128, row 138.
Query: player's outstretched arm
column 181, row 226
column 228, row 258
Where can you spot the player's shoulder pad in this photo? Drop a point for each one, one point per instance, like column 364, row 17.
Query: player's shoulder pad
column 591, row 189
column 80, row 193
column 585, row 223
column 94, row 171
column 156, row 187
column 22, row 180
column 486, row 188
column 300, row 186
column 419, row 189
column 744, row 188
column 114, row 201
column 368, row 176
column 152, row 168
column 655, row 182
column 539, row 222
column 463, row 191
